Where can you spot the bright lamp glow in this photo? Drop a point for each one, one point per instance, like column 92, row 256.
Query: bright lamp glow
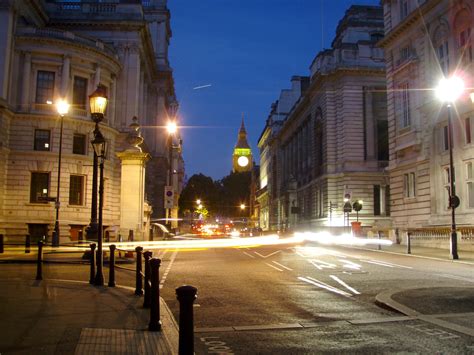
column 242, row 206
column 62, row 107
column 198, row 201
column 449, row 89
column 171, row 127
column 243, row 161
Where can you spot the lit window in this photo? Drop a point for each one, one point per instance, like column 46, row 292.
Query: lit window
column 39, row 187
column 44, row 86
column 76, row 190
column 42, row 140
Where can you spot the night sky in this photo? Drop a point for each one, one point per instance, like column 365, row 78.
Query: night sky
column 247, row 50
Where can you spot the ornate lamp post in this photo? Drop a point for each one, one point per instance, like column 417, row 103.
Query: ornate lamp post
column 100, row 149
column 97, row 103
column 448, row 91
column 62, row 108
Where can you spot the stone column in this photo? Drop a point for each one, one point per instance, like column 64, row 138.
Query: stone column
column 132, row 189
column 7, row 22
column 25, row 86
column 65, row 77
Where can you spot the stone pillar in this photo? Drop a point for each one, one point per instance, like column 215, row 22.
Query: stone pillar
column 96, row 77
column 65, row 77
column 7, row 22
column 25, row 86
column 132, row 189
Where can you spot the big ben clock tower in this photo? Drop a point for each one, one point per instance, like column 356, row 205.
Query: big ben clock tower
column 242, row 158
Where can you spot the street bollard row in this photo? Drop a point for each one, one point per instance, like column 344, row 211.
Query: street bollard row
column 92, row 261
column 147, row 287
column 112, row 266
column 408, row 243
column 139, row 283
column 186, row 296
column 155, row 323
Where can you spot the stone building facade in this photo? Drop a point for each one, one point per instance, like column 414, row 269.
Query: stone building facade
column 424, row 42
column 63, row 50
column 330, row 137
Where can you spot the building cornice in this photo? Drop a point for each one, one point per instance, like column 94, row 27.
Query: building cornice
column 407, row 23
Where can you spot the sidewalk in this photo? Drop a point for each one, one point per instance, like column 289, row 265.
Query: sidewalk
column 61, row 316
column 432, row 253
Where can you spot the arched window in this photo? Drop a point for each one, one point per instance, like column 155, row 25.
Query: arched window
column 441, row 47
column 462, row 27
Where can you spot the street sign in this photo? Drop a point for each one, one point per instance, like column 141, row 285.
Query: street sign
column 169, row 197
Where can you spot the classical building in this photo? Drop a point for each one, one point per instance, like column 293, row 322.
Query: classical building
column 55, row 50
column 327, row 137
column 424, row 42
column 242, row 160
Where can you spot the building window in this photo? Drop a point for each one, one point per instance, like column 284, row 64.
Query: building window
column 76, row 190
column 403, row 9
column 382, row 140
column 39, row 187
column 445, row 138
column 44, row 86
column 377, row 202
column 42, row 139
column 404, row 91
column 79, row 94
column 443, row 57
column 470, row 184
column 409, row 182
column 79, row 144
column 465, row 47
column 467, row 130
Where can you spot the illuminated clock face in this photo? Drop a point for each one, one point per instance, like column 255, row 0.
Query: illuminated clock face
column 243, row 161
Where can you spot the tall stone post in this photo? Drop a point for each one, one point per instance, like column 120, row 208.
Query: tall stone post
column 132, row 189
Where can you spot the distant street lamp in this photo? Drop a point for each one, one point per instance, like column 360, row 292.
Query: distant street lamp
column 198, row 201
column 448, row 91
column 62, row 108
column 242, row 206
column 98, row 104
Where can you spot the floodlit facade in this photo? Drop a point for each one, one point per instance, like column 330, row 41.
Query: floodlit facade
column 424, row 42
column 55, row 50
column 328, row 138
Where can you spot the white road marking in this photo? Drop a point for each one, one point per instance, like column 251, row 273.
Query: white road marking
column 283, row 266
column 266, row 256
column 165, row 274
column 315, row 264
column 384, row 263
column 325, row 264
column 249, row 255
column 323, row 285
column 338, row 280
column 377, row 263
column 274, row 267
column 460, row 278
column 350, row 265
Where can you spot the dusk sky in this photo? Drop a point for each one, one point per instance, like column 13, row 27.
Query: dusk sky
column 247, row 50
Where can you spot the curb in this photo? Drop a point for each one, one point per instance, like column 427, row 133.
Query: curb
column 385, row 299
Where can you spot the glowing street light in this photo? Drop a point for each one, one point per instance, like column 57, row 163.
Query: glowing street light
column 198, row 201
column 448, row 91
column 62, row 107
column 242, row 206
column 171, row 127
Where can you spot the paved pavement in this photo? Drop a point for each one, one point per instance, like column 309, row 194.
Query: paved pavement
column 65, row 316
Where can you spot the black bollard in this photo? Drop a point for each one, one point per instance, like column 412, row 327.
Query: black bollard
column 1, row 243
column 39, row 263
column 186, row 296
column 27, row 244
column 146, row 299
column 139, row 280
column 380, row 245
column 130, row 235
column 155, row 323
column 112, row 266
column 92, row 275
column 79, row 237
column 408, row 243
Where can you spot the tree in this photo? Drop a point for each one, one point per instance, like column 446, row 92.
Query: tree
column 234, row 190
column 200, row 187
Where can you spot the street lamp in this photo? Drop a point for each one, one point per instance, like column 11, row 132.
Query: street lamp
column 62, row 108
column 98, row 104
column 448, row 91
column 171, row 128
column 198, row 201
column 242, row 206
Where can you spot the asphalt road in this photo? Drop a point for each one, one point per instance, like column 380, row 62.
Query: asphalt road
column 310, row 299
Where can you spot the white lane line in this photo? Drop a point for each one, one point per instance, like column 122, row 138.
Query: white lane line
column 274, row 267
column 393, row 264
column 283, row 266
column 266, row 256
column 165, row 274
column 324, row 286
column 315, row 264
column 377, row 263
column 325, row 264
column 338, row 280
column 460, row 278
column 249, row 255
